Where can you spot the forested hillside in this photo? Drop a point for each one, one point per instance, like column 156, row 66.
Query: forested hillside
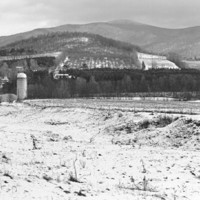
column 83, row 49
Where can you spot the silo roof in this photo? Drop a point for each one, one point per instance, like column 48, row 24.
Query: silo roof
column 21, row 75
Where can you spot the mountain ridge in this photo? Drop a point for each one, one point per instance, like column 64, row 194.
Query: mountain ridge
column 184, row 41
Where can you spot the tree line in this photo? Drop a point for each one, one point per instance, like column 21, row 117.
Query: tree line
column 17, row 51
column 108, row 82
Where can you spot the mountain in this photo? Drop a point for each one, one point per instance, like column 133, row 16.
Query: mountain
column 79, row 50
column 185, row 42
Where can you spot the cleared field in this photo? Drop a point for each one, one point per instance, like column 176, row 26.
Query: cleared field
column 156, row 61
column 99, row 150
column 193, row 64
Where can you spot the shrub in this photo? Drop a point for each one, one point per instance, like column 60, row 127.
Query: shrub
column 164, row 121
column 144, row 124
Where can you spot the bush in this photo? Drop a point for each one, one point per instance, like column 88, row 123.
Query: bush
column 164, row 121
column 144, row 124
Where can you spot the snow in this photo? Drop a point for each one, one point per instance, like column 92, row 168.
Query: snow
column 155, row 61
column 115, row 156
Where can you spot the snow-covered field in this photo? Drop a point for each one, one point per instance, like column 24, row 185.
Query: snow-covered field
column 156, row 61
column 194, row 64
column 99, row 149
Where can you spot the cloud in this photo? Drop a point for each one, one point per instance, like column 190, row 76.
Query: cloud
column 23, row 15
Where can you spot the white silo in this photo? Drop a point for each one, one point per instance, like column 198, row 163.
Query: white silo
column 21, row 86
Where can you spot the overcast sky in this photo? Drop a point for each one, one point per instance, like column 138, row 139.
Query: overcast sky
column 23, row 15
